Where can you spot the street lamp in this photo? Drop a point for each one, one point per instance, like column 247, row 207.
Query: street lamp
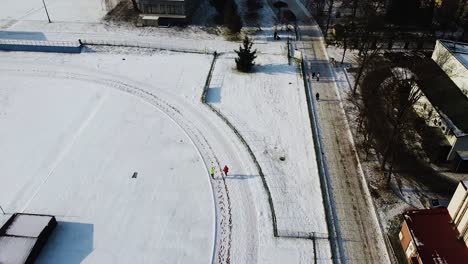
column 47, row 13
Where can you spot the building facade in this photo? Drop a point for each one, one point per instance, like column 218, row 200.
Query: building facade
column 444, row 104
column 172, row 10
column 458, row 210
column 452, row 58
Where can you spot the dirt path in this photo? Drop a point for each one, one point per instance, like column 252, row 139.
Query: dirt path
column 357, row 221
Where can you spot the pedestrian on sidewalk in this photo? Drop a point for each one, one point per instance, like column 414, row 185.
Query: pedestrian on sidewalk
column 275, row 35
column 313, row 75
column 317, row 96
column 225, row 170
column 318, row 76
column 212, row 172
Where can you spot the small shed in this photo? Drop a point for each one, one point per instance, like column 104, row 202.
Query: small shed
column 23, row 236
column 460, row 162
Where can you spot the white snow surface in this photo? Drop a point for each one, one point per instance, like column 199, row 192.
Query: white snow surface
column 176, row 79
column 71, row 143
column 59, row 10
column 268, row 108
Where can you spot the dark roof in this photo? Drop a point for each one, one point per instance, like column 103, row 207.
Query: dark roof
column 443, row 94
column 434, row 237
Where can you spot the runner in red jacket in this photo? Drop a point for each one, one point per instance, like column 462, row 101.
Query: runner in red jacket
column 226, row 170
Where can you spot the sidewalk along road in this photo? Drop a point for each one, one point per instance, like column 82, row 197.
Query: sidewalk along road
column 361, row 234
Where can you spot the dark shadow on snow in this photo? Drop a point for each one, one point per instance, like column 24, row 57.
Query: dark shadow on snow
column 240, row 177
column 275, row 68
column 23, row 35
column 213, row 95
column 69, row 243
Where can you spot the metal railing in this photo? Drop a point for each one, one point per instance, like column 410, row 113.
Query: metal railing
column 140, row 44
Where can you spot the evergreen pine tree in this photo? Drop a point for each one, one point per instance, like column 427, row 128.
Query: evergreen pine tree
column 246, row 56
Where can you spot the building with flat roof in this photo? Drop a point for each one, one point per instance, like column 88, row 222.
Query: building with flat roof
column 452, row 57
column 438, row 235
column 428, row 237
column 155, row 12
column 23, row 236
column 444, row 104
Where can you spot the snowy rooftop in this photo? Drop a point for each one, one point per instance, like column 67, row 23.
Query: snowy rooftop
column 458, row 49
column 23, row 235
column 28, row 225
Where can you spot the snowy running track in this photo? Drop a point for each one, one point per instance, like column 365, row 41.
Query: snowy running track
column 244, row 232
column 189, row 121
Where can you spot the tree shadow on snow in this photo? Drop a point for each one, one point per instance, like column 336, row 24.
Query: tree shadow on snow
column 240, row 177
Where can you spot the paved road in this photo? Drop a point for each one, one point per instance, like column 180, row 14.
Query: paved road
column 361, row 235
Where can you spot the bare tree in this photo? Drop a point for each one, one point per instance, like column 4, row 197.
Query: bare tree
column 365, row 32
column 369, row 52
column 400, row 92
column 330, row 11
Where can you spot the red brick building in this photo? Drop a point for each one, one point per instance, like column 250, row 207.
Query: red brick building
column 429, row 236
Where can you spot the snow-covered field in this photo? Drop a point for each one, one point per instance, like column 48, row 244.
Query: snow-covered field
column 71, row 143
column 79, row 125
column 268, row 108
column 59, row 10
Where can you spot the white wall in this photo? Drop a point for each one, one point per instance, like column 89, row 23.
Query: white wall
column 458, row 208
column 425, row 110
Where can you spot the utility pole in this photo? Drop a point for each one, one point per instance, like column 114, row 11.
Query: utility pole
column 47, row 13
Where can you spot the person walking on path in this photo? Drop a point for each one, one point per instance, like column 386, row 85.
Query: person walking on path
column 313, row 74
column 318, row 76
column 317, row 96
column 212, row 172
column 226, row 170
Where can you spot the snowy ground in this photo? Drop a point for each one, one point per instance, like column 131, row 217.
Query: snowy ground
column 59, row 10
column 271, row 100
column 71, row 144
column 155, row 82
column 94, row 78
column 268, row 108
